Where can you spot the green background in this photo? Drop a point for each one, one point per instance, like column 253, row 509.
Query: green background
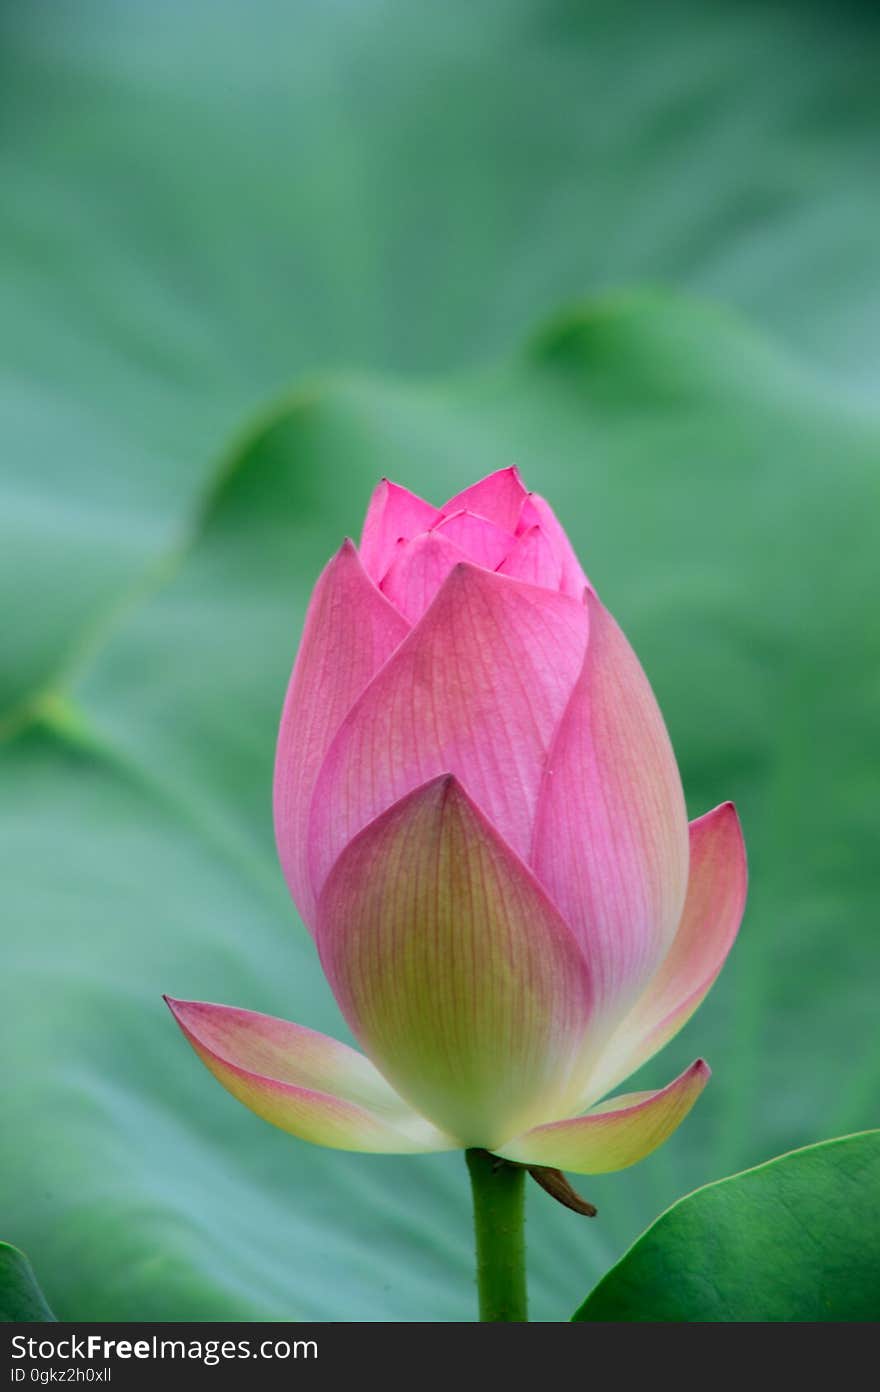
column 253, row 256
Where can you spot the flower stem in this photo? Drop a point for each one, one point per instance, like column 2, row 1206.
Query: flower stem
column 499, row 1226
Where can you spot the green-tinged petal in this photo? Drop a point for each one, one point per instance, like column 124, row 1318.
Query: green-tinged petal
column 616, row 1133
column 304, row 1082
column 454, row 969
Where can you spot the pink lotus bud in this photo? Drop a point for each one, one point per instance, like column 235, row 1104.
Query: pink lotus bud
column 481, row 821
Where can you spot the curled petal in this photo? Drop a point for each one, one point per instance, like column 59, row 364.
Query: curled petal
column 350, row 631
column 482, row 541
column 303, row 1082
column 713, row 909
column 498, row 497
column 417, row 572
column 394, row 514
column 615, row 1134
column 533, row 558
column 453, row 968
column 536, row 511
column 476, row 690
column 611, row 834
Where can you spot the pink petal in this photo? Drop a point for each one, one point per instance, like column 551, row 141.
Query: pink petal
column 303, row 1082
column 417, row 572
column 394, row 514
column 350, row 631
column 498, row 497
column 481, row 541
column 536, row 511
column 611, row 835
column 716, row 897
column 615, row 1134
column 533, row 558
column 453, row 968
column 477, row 690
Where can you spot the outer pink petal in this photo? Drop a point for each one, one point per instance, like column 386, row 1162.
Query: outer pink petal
column 611, row 835
column 417, row 572
column 482, row 541
column 350, row 631
column 498, row 497
column 477, row 690
column 303, row 1082
column 453, row 968
column 716, row 897
column 536, row 511
column 615, row 1134
column 534, row 559
column 393, row 514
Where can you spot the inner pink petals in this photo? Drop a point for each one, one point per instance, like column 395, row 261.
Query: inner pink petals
column 417, row 572
column 394, row 515
column 420, row 565
column 482, row 541
column 498, row 498
column 535, row 511
column 533, row 558
column 496, row 524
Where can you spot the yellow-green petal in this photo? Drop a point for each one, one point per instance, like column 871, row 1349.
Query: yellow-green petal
column 453, row 968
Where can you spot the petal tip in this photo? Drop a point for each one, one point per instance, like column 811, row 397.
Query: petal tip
column 182, row 1010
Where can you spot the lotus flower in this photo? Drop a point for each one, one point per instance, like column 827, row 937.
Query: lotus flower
column 481, row 821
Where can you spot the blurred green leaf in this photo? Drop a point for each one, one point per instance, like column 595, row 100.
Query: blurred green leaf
column 795, row 1239
column 20, row 1296
column 204, row 200
column 723, row 501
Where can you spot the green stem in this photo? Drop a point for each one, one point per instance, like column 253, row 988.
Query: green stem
column 499, row 1226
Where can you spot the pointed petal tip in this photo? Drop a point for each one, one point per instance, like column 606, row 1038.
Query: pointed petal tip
column 503, row 471
column 188, row 1012
column 726, row 818
column 513, row 471
column 693, row 1078
column 392, row 512
column 614, row 1134
column 347, row 551
column 498, row 496
column 699, row 1071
